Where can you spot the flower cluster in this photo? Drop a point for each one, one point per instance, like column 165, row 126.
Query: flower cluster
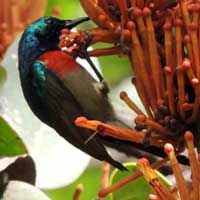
column 14, row 17
column 182, row 189
column 161, row 39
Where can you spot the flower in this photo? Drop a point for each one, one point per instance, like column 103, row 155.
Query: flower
column 14, row 17
column 182, row 190
column 161, row 41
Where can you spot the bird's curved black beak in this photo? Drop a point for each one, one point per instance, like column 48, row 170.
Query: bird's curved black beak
column 69, row 24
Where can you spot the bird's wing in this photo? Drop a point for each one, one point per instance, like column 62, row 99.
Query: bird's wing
column 61, row 109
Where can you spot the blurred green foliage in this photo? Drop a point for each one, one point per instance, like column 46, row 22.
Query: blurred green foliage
column 137, row 190
column 10, row 143
column 3, row 75
column 90, row 179
column 69, row 8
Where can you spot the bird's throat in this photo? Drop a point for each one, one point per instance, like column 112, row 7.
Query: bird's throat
column 59, row 62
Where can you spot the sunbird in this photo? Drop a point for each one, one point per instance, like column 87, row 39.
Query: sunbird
column 58, row 89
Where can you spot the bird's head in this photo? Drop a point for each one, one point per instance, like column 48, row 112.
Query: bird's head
column 47, row 29
column 41, row 36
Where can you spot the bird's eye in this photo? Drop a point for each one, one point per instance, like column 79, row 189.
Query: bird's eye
column 50, row 21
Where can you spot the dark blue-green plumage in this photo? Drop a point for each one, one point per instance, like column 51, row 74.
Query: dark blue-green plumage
column 50, row 91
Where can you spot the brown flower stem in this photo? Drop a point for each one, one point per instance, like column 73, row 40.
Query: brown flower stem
column 78, row 192
column 188, row 68
column 101, row 35
column 140, row 3
column 174, row 191
column 158, row 140
column 143, row 74
column 128, row 179
column 142, row 120
column 137, row 13
column 170, row 89
column 111, row 130
column 181, row 90
column 154, row 58
column 196, row 84
column 141, row 93
column 194, row 164
column 185, row 13
column 97, row 14
column 105, row 171
column 161, row 191
column 105, row 51
column 123, row 8
column 105, row 5
column 168, row 41
column 193, row 32
column 181, row 184
column 142, row 31
column 195, row 8
column 187, row 41
column 179, row 39
column 130, row 103
column 133, row 3
column 115, row 3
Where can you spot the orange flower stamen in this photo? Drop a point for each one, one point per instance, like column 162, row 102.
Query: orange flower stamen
column 130, row 103
column 128, row 179
column 194, row 164
column 111, row 130
column 181, row 184
column 78, row 192
column 152, row 178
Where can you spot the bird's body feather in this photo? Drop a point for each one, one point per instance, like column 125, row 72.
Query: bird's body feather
column 48, row 76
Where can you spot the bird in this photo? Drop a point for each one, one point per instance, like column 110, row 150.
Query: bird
column 58, row 89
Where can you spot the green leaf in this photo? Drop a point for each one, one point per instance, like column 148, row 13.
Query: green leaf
column 137, row 190
column 69, row 9
column 10, row 143
column 115, row 69
column 3, row 75
column 91, row 182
